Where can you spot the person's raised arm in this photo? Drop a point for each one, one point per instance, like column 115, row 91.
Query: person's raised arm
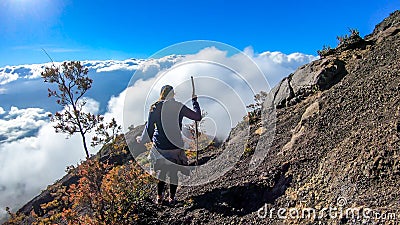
column 194, row 114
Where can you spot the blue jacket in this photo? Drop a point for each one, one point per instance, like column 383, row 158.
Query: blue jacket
column 164, row 124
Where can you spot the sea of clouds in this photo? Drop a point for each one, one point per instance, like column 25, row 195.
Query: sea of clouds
column 33, row 156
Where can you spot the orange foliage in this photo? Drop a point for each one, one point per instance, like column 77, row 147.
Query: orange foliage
column 104, row 194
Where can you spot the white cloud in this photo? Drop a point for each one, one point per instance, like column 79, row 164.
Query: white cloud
column 231, row 91
column 151, row 67
column 129, row 64
column 29, row 164
column 19, row 123
column 33, row 71
column 91, row 106
column 115, row 106
column 7, row 77
column 12, row 73
column 2, row 111
column 277, row 65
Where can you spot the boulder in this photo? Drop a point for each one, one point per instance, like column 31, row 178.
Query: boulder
column 283, row 93
column 317, row 75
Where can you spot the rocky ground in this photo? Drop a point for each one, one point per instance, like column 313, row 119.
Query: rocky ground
column 336, row 147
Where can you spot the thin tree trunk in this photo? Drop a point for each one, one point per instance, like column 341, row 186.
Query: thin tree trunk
column 84, row 144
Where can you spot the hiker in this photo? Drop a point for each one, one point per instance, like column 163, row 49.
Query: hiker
column 163, row 128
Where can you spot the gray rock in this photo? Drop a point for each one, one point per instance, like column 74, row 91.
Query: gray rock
column 283, row 93
column 317, row 75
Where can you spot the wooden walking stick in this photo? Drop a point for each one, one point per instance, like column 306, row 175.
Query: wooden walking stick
column 196, row 127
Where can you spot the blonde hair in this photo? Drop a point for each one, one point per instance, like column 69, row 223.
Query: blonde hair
column 167, row 92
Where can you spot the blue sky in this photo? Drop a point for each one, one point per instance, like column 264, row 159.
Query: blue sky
column 78, row 30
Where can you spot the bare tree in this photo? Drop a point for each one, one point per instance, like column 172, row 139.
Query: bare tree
column 72, row 83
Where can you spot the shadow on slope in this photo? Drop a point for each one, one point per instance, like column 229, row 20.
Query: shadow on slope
column 243, row 199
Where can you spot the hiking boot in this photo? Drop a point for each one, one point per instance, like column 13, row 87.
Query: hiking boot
column 171, row 202
column 159, row 200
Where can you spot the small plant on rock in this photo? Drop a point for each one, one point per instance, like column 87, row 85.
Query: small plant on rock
column 325, row 51
column 348, row 38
